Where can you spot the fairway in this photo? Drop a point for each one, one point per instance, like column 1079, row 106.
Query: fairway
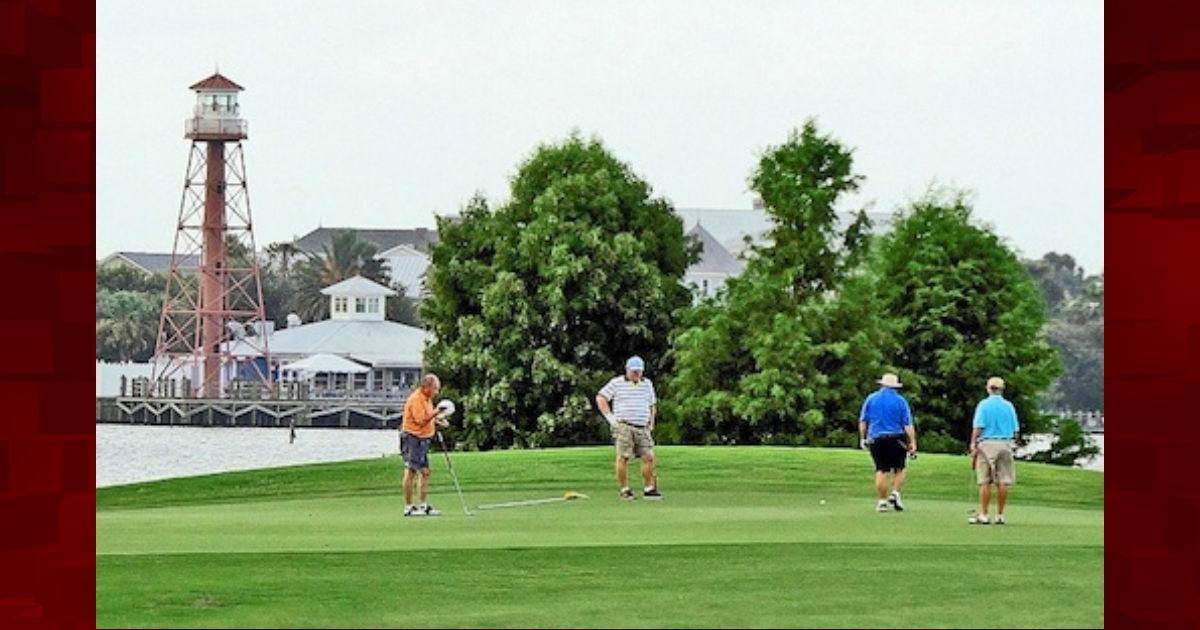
column 741, row 540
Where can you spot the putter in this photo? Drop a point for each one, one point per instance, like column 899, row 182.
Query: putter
column 453, row 475
column 569, row 496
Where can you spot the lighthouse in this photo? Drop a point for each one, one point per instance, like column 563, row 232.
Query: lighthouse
column 213, row 330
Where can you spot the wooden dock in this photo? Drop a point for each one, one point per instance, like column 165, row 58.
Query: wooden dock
column 346, row 413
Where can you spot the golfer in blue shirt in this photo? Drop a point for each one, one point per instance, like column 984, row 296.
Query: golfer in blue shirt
column 993, row 428
column 886, row 426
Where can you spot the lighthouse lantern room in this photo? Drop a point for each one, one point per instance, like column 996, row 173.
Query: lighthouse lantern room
column 216, row 114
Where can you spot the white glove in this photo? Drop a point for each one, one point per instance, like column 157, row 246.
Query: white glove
column 612, row 419
column 862, row 444
column 445, row 408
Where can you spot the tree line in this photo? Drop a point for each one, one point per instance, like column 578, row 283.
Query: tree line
column 533, row 304
column 536, row 302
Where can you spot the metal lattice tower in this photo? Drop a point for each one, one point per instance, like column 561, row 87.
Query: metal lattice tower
column 213, row 329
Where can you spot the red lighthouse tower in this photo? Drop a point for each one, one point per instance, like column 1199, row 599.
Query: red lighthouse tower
column 213, row 329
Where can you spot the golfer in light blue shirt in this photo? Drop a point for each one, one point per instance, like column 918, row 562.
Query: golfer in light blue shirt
column 993, row 429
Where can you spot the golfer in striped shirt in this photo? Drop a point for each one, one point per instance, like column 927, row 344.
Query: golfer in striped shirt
column 628, row 403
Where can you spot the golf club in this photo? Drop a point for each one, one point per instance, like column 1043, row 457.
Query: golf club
column 569, row 496
column 453, row 475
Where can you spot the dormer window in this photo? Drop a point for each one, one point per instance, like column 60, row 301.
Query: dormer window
column 341, row 304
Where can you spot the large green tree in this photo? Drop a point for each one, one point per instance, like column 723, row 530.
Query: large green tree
column 963, row 307
column 536, row 303
column 781, row 354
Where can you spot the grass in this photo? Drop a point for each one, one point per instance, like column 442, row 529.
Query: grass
column 741, row 540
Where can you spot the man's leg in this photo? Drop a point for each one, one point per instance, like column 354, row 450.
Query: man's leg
column 622, row 472
column 985, row 497
column 1005, row 475
column 423, row 485
column 881, row 484
column 897, row 485
column 648, row 470
column 408, row 486
column 898, row 480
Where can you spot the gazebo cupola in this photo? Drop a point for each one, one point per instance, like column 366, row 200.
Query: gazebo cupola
column 357, row 299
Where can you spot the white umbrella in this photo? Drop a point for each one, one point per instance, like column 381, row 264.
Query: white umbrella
column 325, row 363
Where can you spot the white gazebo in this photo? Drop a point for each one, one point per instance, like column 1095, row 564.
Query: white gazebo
column 324, row 364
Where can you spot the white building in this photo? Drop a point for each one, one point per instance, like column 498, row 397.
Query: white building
column 356, row 330
column 407, row 266
column 716, row 265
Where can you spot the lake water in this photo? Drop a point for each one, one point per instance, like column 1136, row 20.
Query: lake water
column 1042, row 442
column 135, row 453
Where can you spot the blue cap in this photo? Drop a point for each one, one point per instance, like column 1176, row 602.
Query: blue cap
column 635, row 363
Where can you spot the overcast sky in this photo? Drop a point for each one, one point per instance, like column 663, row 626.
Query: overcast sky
column 383, row 113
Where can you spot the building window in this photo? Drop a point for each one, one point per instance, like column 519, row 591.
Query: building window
column 340, row 304
column 366, row 305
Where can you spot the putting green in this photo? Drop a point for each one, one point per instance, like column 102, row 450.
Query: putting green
column 326, row 546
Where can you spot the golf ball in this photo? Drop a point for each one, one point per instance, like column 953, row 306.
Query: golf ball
column 822, row 501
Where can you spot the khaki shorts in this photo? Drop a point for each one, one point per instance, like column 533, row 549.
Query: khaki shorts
column 631, row 441
column 994, row 463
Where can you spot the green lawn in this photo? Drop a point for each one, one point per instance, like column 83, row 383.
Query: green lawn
column 741, row 540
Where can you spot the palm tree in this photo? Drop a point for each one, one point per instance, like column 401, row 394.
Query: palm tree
column 345, row 257
column 128, row 326
column 281, row 255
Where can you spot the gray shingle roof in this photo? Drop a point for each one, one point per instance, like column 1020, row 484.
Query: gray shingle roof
column 419, row 239
column 151, row 262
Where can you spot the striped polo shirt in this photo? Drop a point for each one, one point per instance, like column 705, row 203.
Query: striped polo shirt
column 630, row 402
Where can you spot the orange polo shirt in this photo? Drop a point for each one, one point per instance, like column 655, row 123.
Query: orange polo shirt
column 418, row 415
